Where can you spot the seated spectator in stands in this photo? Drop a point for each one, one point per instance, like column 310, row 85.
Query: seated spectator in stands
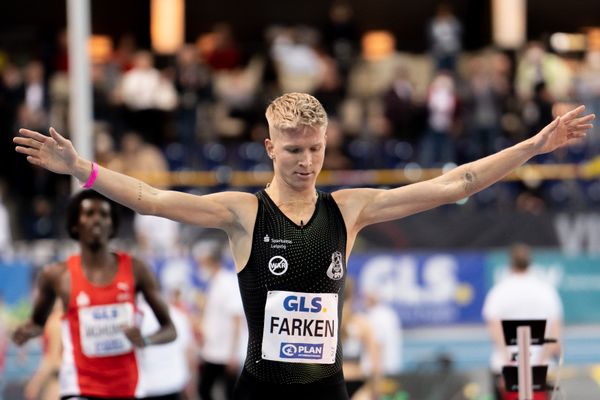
column 147, row 96
column 219, row 48
column 335, row 156
column 445, row 34
column 138, row 156
column 438, row 146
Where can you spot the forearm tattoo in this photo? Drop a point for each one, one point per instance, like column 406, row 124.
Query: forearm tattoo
column 470, row 181
column 139, row 195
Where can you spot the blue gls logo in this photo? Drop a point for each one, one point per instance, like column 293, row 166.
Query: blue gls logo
column 301, row 350
column 298, row 303
column 104, row 314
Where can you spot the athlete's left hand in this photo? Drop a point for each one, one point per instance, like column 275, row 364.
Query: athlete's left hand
column 134, row 335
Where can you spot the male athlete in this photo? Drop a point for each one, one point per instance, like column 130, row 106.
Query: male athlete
column 98, row 289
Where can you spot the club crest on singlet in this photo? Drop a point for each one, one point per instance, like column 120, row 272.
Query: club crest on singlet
column 336, row 268
column 278, row 265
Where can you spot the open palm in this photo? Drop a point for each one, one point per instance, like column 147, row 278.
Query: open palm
column 564, row 130
column 54, row 152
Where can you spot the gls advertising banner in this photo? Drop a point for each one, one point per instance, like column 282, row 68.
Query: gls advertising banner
column 424, row 288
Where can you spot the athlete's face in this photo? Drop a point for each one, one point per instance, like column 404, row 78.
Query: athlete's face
column 298, row 155
column 95, row 223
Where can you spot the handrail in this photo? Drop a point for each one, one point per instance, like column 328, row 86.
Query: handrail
column 376, row 177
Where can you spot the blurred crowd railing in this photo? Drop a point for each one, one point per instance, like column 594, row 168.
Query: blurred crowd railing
column 375, row 177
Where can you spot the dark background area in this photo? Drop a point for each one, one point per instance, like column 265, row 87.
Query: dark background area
column 33, row 24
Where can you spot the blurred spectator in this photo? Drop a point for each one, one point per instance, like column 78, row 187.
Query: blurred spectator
column 33, row 112
column 138, row 156
column 388, row 332
column 236, row 94
column 335, row 156
column 538, row 111
column 330, row 89
column 165, row 368
column 521, row 295
column 400, row 108
column 104, row 147
column 296, row 61
column 444, row 32
column 342, row 36
column 587, row 90
column 486, row 95
column 103, row 85
column 58, row 92
column 147, row 95
column 124, row 53
column 439, row 141
column 219, row 48
column 40, row 222
column 360, row 349
column 536, row 65
column 221, row 326
column 193, row 84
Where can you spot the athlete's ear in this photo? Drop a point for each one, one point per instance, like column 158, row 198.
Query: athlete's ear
column 269, row 147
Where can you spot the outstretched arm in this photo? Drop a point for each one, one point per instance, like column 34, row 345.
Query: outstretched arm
column 368, row 206
column 57, row 154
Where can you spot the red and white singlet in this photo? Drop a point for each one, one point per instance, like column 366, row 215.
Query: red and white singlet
column 98, row 359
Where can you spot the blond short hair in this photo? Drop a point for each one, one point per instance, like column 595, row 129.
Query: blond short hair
column 295, row 110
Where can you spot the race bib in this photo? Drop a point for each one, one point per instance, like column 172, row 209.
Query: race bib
column 101, row 329
column 300, row 327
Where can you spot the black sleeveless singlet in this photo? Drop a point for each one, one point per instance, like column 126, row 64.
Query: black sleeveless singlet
column 307, row 258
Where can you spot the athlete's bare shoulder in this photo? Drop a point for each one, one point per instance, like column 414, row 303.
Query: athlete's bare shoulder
column 53, row 272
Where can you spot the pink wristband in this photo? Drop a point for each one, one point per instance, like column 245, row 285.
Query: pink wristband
column 93, row 176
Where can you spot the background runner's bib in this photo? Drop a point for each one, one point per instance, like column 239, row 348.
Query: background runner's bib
column 300, row 327
column 101, row 329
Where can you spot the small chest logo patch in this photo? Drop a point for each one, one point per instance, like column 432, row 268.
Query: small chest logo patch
column 336, row 268
column 82, row 299
column 278, row 265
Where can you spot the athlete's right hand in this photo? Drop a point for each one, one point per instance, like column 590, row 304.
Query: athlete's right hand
column 54, row 152
column 25, row 332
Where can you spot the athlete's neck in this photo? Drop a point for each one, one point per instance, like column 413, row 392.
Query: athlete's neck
column 283, row 194
column 96, row 258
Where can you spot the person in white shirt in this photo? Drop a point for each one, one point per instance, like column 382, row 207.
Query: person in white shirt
column 521, row 295
column 388, row 332
column 221, row 324
column 165, row 369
